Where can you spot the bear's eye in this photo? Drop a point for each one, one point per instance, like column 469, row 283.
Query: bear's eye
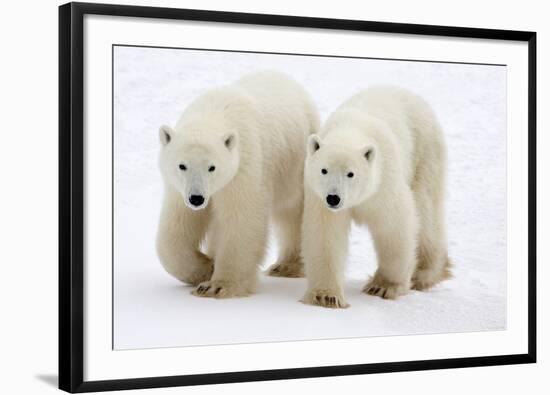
column 324, row 171
column 350, row 174
column 183, row 167
column 211, row 169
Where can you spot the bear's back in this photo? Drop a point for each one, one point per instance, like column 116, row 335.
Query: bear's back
column 281, row 100
column 410, row 118
column 287, row 116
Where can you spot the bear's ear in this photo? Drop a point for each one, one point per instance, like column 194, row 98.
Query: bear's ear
column 165, row 134
column 369, row 153
column 313, row 144
column 230, row 141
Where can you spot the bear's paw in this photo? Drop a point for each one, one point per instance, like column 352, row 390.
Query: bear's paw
column 291, row 268
column 325, row 298
column 425, row 279
column 220, row 289
column 383, row 288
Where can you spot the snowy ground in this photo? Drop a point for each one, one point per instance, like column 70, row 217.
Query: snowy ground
column 152, row 86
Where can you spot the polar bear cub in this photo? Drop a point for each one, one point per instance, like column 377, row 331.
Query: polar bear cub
column 380, row 160
column 233, row 160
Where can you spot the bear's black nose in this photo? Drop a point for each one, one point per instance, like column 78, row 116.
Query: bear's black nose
column 196, row 200
column 333, row 200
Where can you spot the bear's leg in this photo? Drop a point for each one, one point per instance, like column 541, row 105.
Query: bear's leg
column 433, row 262
column 212, row 241
column 394, row 235
column 180, row 233
column 241, row 239
column 324, row 248
column 288, row 223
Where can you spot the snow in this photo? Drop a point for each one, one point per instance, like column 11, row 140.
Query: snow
column 151, row 309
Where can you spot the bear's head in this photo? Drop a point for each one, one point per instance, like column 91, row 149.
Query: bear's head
column 340, row 173
column 198, row 159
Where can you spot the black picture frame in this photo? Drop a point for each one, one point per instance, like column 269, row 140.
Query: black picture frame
column 71, row 195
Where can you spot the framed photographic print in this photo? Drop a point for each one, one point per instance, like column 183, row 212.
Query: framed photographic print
column 249, row 197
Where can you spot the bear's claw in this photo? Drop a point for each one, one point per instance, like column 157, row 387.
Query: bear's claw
column 325, row 299
column 287, row 269
column 219, row 289
column 383, row 288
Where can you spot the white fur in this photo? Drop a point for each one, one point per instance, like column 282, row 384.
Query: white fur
column 254, row 133
column 392, row 143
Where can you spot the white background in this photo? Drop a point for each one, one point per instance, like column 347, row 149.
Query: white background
column 29, row 199
column 102, row 363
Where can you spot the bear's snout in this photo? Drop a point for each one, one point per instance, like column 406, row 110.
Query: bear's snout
column 333, row 200
column 196, row 200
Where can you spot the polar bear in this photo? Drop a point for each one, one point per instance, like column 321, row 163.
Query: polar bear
column 379, row 160
column 233, row 161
